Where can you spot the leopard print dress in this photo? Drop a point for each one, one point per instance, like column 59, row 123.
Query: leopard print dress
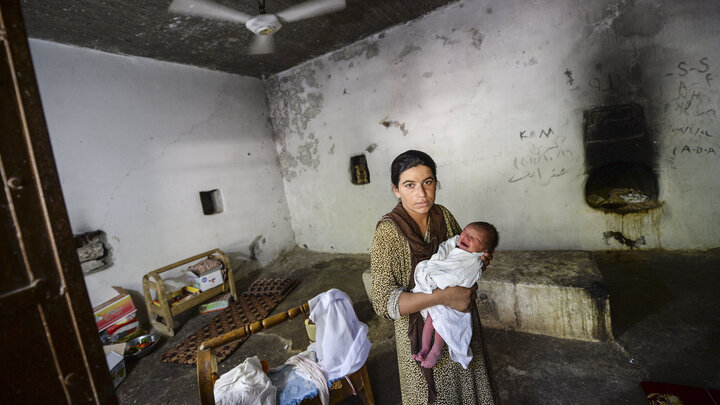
column 390, row 270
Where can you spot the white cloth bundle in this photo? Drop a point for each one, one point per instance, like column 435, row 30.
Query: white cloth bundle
column 245, row 384
column 450, row 266
column 342, row 345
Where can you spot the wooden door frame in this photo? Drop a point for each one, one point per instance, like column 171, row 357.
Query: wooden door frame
column 41, row 275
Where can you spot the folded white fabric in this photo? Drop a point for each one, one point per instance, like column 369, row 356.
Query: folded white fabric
column 342, row 345
column 307, row 366
column 245, row 384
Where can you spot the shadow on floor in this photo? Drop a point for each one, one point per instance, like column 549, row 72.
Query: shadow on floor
column 636, row 288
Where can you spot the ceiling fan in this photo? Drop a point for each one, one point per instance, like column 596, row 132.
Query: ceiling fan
column 262, row 25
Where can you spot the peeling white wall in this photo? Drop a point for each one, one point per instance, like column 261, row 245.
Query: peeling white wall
column 495, row 92
column 136, row 140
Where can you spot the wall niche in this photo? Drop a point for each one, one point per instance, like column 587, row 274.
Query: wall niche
column 620, row 159
column 94, row 252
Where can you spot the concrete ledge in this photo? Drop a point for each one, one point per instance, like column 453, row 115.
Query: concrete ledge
column 554, row 293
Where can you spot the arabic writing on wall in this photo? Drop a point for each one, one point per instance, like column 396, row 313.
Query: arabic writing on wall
column 544, row 157
column 603, row 84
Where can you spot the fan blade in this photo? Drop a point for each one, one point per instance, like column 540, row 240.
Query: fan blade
column 208, row 9
column 309, row 9
column 262, row 44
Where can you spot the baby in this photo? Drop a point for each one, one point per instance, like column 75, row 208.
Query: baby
column 458, row 262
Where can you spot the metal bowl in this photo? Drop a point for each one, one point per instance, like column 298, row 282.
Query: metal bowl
column 133, row 351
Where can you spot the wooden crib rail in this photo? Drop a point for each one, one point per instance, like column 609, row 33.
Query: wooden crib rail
column 255, row 327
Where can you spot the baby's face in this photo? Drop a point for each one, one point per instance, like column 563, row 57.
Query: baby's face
column 473, row 240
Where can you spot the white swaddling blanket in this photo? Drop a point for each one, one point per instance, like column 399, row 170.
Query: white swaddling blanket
column 342, row 345
column 450, row 266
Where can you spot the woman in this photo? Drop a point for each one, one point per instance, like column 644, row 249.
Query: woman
column 410, row 233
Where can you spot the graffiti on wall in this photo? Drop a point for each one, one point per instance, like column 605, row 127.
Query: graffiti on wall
column 694, row 99
column 544, row 157
column 604, row 84
column 695, row 150
column 693, row 91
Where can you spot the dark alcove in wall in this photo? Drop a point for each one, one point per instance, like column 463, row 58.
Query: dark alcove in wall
column 620, row 158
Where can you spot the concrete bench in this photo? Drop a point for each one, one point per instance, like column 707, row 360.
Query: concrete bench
column 548, row 292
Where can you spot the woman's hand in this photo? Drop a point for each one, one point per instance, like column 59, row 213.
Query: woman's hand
column 458, row 298
column 486, row 257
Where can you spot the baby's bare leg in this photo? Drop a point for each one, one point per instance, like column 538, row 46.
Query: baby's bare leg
column 427, row 334
column 434, row 355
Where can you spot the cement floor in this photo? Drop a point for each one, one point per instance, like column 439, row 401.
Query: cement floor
column 665, row 310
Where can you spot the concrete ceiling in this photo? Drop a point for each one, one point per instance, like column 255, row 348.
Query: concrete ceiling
column 145, row 28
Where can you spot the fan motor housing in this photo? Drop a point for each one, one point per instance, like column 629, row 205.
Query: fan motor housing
column 264, row 24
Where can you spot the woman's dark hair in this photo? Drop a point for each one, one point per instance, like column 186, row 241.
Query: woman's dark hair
column 408, row 160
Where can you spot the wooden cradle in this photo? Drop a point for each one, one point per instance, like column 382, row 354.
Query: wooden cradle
column 357, row 383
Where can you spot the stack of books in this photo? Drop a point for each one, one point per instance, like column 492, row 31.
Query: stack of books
column 116, row 318
column 218, row 303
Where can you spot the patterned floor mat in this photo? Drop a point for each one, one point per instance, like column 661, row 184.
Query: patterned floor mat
column 261, row 297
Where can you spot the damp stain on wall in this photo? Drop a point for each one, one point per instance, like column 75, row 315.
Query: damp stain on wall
column 638, row 18
column 628, row 19
column 368, row 48
column 256, row 248
column 634, row 230
column 623, row 240
column 407, row 51
column 446, row 41
column 397, row 124
column 293, row 101
column 307, row 153
column 476, row 38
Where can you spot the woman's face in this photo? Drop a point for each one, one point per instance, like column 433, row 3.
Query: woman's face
column 416, row 190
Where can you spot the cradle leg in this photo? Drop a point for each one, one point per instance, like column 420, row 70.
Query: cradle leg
column 207, row 373
column 368, row 398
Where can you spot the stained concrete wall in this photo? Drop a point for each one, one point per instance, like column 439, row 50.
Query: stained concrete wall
column 136, row 140
column 495, row 92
